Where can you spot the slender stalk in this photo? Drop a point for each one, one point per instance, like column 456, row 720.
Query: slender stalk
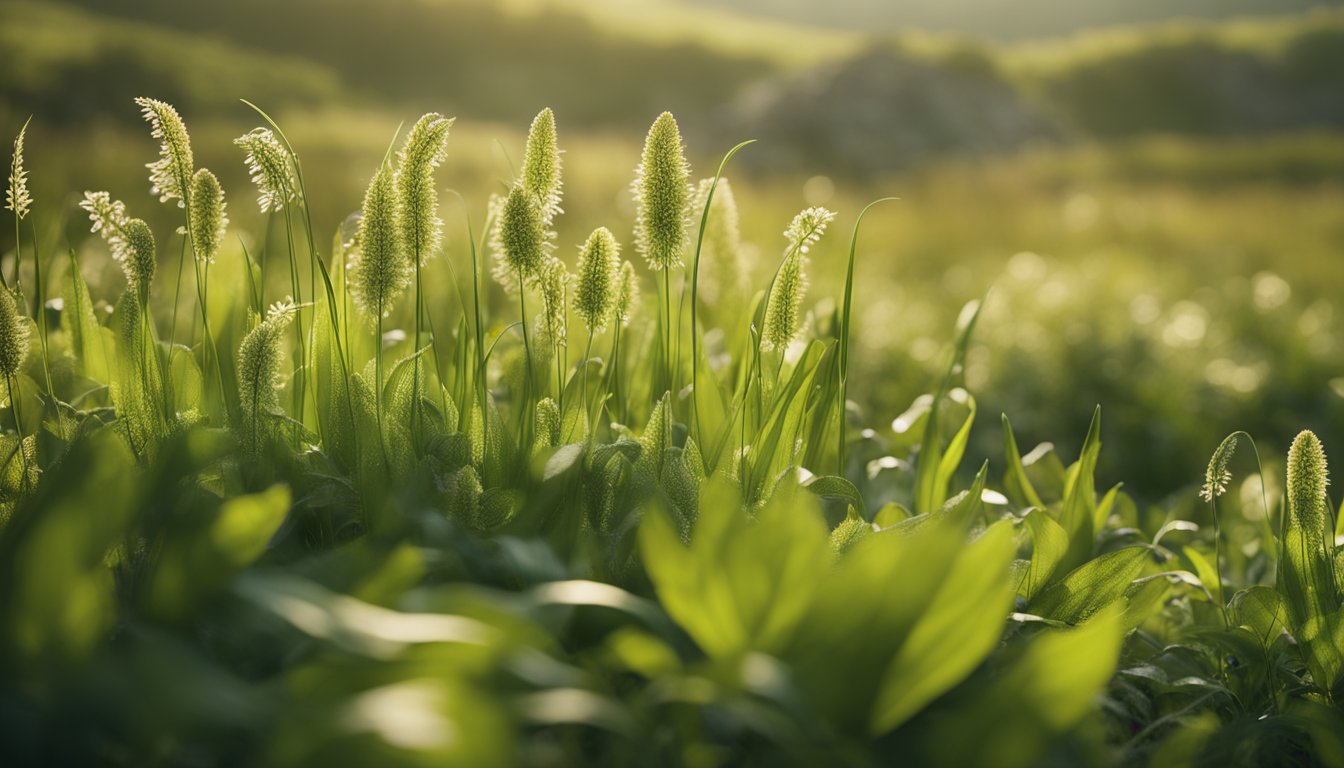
column 844, row 337
column 525, row 410
column 669, row 383
column 695, row 286
column 299, row 378
column 39, row 312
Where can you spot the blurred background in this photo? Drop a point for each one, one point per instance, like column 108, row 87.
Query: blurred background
column 1153, row 189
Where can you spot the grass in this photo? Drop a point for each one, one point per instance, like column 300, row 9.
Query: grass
column 684, row 553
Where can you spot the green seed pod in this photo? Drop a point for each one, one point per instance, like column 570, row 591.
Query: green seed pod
column 209, row 218
column 541, row 166
column 627, row 295
column 271, row 168
column 520, row 235
column 417, row 199
column 171, row 173
column 548, row 423
column 17, row 197
column 662, row 191
column 382, row 269
column 554, row 281
column 595, row 296
column 13, row 336
column 141, row 257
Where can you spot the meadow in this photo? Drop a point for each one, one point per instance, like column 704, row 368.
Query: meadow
column 507, row 489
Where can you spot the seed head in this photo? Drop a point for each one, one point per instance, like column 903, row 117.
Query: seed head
column 1217, row 477
column 548, row 423
column 271, row 167
column 599, row 260
column 141, row 257
column 259, row 360
column 17, row 198
column 13, row 335
column 627, row 295
column 417, row 199
column 723, row 259
column 208, row 216
column 784, row 305
column 170, row 174
column 1308, row 477
column 541, row 166
column 807, row 228
column 554, row 283
column 520, row 235
column 109, row 221
column 382, row 269
column 662, row 191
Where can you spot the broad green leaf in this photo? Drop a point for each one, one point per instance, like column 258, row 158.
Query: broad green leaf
column 836, row 487
column 1080, row 498
column 1261, row 610
column 1049, row 542
column 951, row 638
column 1090, row 587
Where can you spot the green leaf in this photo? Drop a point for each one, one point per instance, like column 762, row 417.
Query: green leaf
column 1261, row 610
column 1015, row 481
column 836, row 487
column 1090, row 587
column 1049, row 544
column 1080, row 497
column 956, row 633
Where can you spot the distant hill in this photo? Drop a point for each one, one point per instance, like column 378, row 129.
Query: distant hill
column 1007, row 19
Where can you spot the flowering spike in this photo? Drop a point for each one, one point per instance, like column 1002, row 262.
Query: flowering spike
column 382, row 268
column 13, row 335
column 109, row 221
column 141, row 257
column 662, row 191
column 271, row 167
column 554, row 282
column 627, row 295
column 784, row 305
column 259, row 361
column 17, row 198
column 595, row 296
column 417, row 199
column 724, row 261
column 208, row 216
column 1217, row 476
column 519, row 235
column 541, row 166
column 171, row 173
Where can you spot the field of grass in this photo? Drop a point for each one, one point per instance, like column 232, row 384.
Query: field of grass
column 284, row 486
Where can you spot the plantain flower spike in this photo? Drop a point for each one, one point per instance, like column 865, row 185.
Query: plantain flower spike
column 627, row 295
column 171, row 173
column 109, row 222
column 554, row 283
column 382, row 269
column 541, row 166
column 259, row 360
column 784, row 305
column 13, row 336
column 1217, row 477
column 417, row 200
column 547, row 423
column 520, row 236
column 141, row 257
column 595, row 295
column 725, row 263
column 1307, row 480
column 209, row 219
column 271, row 168
column 662, row 193
column 17, row 197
